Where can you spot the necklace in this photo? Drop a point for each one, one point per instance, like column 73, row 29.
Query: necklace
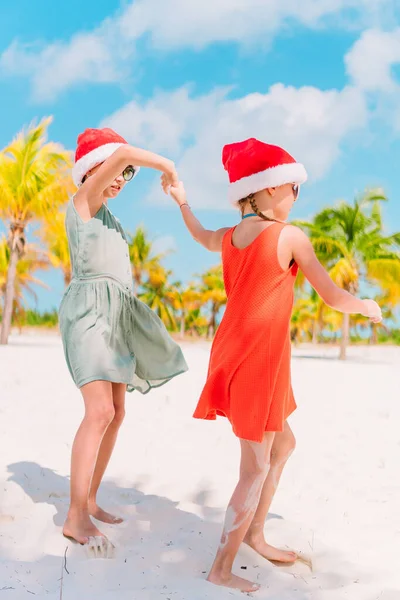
column 249, row 215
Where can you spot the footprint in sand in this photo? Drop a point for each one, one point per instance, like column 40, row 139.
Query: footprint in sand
column 7, row 518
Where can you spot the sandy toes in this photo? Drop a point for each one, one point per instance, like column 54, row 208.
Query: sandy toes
column 84, row 532
column 80, row 530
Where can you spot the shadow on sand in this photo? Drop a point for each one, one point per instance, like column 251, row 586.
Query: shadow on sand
column 162, row 551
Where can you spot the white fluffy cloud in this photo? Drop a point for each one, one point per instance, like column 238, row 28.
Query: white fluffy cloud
column 99, row 55
column 371, row 59
column 179, row 23
column 86, row 57
column 311, row 123
column 168, row 121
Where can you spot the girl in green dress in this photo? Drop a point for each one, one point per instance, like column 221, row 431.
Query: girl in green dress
column 112, row 341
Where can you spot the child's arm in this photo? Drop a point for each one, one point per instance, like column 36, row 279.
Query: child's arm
column 91, row 191
column 335, row 297
column 212, row 240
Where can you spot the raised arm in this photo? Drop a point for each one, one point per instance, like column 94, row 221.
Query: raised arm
column 212, row 240
column 335, row 297
column 90, row 194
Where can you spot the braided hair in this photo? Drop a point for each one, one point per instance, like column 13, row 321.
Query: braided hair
column 251, row 199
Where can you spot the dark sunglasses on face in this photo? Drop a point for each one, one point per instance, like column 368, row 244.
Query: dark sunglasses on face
column 296, row 190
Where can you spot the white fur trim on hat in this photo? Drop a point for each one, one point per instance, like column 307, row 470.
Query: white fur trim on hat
column 93, row 158
column 273, row 177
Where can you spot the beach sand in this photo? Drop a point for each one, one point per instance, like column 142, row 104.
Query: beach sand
column 171, row 477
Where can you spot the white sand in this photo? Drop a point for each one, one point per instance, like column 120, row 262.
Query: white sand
column 171, row 477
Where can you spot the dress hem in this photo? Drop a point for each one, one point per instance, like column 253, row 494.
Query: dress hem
column 214, row 413
column 130, row 388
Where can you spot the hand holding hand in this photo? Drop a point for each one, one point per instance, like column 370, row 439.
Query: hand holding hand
column 169, row 176
column 177, row 192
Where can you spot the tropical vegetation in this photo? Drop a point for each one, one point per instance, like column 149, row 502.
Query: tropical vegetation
column 350, row 240
column 34, row 180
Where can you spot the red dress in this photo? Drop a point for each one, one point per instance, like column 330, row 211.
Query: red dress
column 249, row 379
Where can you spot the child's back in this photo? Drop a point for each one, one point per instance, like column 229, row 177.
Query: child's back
column 252, row 345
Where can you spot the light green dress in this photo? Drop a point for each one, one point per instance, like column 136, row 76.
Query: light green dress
column 107, row 333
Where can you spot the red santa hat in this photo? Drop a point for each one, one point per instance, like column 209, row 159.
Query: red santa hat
column 253, row 166
column 94, row 146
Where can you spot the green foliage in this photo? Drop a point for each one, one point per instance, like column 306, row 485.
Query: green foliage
column 349, row 239
column 34, row 318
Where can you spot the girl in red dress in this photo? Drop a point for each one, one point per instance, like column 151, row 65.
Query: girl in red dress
column 249, row 378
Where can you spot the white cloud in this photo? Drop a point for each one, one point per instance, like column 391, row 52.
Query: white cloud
column 179, row 23
column 369, row 63
column 311, row 123
column 165, row 244
column 166, row 122
column 105, row 54
column 86, row 57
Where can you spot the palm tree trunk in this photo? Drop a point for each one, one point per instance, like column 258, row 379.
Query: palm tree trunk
column 213, row 323
column 9, row 295
column 345, row 336
column 182, row 333
column 315, row 332
column 374, row 334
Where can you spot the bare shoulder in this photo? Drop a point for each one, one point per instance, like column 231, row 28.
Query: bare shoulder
column 293, row 232
column 293, row 244
column 221, row 232
column 216, row 239
column 294, row 236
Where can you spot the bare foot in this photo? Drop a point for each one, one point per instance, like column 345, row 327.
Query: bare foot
column 270, row 552
column 80, row 529
column 232, row 581
column 103, row 516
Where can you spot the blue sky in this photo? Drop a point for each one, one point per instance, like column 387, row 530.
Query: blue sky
column 183, row 78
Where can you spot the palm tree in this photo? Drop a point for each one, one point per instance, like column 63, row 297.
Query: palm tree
column 34, row 177
column 184, row 301
column 302, row 321
column 213, row 292
column 389, row 300
column 350, row 241
column 311, row 306
column 157, row 294
column 55, row 237
column 332, row 321
column 143, row 261
column 195, row 322
column 34, row 259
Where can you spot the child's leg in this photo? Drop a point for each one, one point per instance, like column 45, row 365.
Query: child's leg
column 106, row 448
column 253, row 470
column 99, row 412
column 282, row 448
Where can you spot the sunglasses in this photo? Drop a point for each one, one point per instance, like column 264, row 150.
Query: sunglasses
column 296, row 190
column 129, row 173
